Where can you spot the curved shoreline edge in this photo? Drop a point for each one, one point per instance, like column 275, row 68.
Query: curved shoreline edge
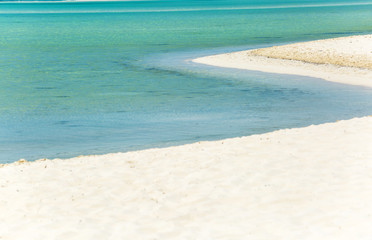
column 346, row 60
column 313, row 181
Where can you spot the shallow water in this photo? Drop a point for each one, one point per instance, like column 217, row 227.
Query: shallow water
column 93, row 78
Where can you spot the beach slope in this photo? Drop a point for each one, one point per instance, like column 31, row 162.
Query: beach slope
column 308, row 183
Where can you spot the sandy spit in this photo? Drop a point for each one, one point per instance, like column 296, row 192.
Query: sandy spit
column 345, row 60
column 308, row 183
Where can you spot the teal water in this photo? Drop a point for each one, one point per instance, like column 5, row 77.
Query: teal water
column 93, row 78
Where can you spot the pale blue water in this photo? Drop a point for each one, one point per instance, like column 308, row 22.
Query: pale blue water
column 93, row 78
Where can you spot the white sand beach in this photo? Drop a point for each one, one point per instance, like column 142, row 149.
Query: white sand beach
column 345, row 60
column 306, row 183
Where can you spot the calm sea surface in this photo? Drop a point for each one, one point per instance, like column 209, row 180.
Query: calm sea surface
column 93, row 78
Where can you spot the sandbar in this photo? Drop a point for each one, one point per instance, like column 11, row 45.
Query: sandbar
column 346, row 60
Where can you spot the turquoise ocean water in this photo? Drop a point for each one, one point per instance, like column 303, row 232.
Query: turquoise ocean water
column 93, row 78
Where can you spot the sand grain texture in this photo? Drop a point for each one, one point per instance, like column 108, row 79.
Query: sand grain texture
column 339, row 51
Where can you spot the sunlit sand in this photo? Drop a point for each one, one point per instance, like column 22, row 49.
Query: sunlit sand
column 307, row 183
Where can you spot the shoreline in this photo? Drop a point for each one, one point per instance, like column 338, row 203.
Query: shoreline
column 312, row 59
column 312, row 181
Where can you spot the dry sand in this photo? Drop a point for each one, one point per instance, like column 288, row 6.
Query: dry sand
column 345, row 60
column 308, row 183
